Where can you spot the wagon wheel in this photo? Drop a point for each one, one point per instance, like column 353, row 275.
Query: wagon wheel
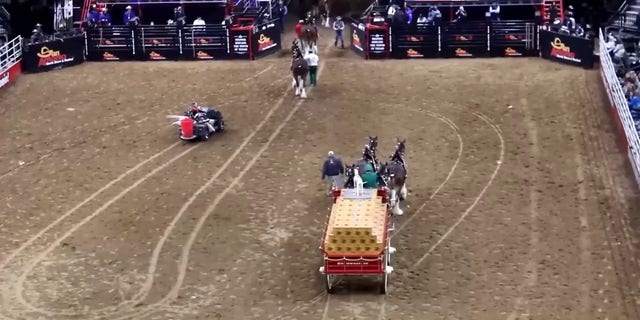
column 330, row 283
column 384, row 285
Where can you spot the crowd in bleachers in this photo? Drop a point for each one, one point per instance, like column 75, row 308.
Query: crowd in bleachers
column 627, row 65
column 568, row 24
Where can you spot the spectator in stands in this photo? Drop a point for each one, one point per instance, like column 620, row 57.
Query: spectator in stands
column 569, row 22
column 392, row 11
column 179, row 17
column 434, row 16
column 338, row 27
column 105, row 18
column 408, row 13
column 264, row 19
column 630, row 84
column 553, row 12
column 312, row 59
column 282, row 13
column 569, row 10
column 94, row 17
column 37, row 35
column 129, row 17
column 199, row 24
column 461, row 15
column 377, row 20
column 228, row 21
column 494, row 11
column 422, row 21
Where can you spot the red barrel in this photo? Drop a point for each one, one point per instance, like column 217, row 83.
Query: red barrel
column 186, row 125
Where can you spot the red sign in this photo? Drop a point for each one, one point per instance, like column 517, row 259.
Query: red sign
column 156, row 56
column 10, row 75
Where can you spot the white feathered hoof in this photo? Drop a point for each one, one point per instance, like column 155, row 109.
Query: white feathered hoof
column 297, row 91
column 397, row 212
column 293, row 83
column 403, row 193
column 303, row 95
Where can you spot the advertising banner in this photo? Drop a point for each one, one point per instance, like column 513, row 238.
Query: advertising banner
column 240, row 43
column 266, row 40
column 55, row 54
column 566, row 49
column 377, row 42
column 358, row 39
column 10, row 75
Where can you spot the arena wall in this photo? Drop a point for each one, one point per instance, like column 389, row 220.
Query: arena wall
column 10, row 62
column 629, row 139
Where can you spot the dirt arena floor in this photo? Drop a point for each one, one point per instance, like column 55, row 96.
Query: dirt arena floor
column 513, row 213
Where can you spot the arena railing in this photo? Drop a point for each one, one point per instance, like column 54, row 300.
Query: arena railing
column 10, row 54
column 620, row 108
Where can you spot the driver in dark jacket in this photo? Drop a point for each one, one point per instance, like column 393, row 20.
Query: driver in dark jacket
column 332, row 169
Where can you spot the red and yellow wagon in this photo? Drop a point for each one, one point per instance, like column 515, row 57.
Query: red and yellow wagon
column 356, row 238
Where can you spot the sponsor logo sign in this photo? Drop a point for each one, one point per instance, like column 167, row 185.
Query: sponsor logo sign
column 356, row 41
column 50, row 57
column 156, row 56
column 203, row 56
column 414, row 54
column 265, row 43
column 463, row 53
column 561, row 51
column 108, row 56
column 509, row 52
column 4, row 78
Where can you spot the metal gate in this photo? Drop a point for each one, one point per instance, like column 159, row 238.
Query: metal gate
column 513, row 39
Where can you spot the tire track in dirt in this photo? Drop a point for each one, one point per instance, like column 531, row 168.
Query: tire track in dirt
column 521, row 306
column 380, row 307
column 185, row 252
column 77, row 226
column 133, row 115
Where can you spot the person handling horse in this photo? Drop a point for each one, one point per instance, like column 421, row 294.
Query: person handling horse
column 332, row 171
column 312, row 59
column 370, row 177
column 299, row 27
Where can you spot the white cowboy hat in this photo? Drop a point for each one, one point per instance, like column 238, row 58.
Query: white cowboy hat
column 339, row 17
column 128, row 7
column 330, row 153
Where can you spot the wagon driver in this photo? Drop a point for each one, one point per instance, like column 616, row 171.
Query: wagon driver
column 332, row 171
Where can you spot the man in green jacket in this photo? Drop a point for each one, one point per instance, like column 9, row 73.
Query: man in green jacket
column 369, row 177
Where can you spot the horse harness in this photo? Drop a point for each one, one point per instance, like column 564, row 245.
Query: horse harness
column 399, row 158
